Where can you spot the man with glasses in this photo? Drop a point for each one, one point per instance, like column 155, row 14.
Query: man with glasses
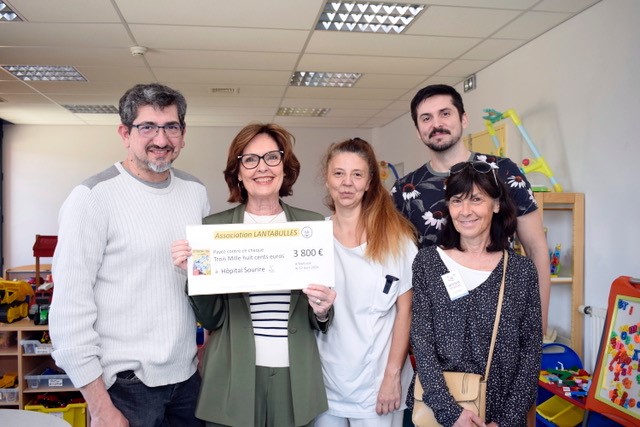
column 438, row 114
column 120, row 321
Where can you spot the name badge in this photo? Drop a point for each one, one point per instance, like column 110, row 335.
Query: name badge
column 454, row 285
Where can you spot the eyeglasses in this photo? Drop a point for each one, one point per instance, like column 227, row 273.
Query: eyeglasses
column 271, row 158
column 148, row 130
column 481, row 167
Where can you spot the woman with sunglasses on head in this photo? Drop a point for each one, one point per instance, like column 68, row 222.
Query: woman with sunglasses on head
column 261, row 365
column 456, row 292
column 364, row 355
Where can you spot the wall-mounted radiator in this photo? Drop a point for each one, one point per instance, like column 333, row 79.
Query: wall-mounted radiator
column 594, row 325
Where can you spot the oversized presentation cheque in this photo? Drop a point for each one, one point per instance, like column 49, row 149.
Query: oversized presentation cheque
column 229, row 258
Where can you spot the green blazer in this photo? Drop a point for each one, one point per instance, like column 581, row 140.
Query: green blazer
column 228, row 380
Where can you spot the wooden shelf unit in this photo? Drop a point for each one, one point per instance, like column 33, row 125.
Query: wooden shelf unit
column 13, row 359
column 573, row 205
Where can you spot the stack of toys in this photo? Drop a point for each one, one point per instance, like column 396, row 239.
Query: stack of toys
column 14, row 300
column 574, row 382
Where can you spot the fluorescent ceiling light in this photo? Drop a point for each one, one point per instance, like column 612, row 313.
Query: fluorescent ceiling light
column 319, row 79
column 91, row 109
column 45, row 73
column 302, row 112
column 8, row 15
column 367, row 16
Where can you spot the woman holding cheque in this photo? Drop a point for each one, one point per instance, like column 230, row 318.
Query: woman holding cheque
column 458, row 288
column 364, row 355
column 272, row 331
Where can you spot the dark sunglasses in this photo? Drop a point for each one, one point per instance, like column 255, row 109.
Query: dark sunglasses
column 481, row 167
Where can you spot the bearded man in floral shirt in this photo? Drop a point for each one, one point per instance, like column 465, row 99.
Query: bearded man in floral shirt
column 438, row 114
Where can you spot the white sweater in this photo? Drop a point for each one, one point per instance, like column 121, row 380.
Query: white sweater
column 119, row 303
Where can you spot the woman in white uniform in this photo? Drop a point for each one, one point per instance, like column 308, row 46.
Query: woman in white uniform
column 364, row 355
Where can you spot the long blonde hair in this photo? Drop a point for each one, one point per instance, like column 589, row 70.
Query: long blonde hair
column 379, row 220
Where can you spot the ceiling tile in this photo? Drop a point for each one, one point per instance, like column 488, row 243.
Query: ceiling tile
column 439, row 79
column 572, row 6
column 218, row 38
column 63, row 35
column 326, row 122
column 276, row 14
column 34, row 111
column 370, row 64
column 343, row 93
column 462, row 68
column 78, row 56
column 222, row 77
column 531, row 25
column 201, row 92
column 363, row 104
column 66, row 11
column 109, row 73
column 491, row 4
column 469, row 22
column 395, row 81
column 222, row 60
column 236, row 121
column 402, row 105
column 14, row 86
column 99, row 119
column 383, row 45
column 493, row 49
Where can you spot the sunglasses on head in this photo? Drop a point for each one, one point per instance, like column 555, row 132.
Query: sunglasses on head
column 481, row 167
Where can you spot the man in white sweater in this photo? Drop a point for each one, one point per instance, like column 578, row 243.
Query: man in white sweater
column 120, row 322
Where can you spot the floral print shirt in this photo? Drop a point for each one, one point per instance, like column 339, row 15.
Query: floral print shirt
column 420, row 195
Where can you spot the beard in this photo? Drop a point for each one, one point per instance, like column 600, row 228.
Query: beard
column 157, row 166
column 161, row 167
column 444, row 145
column 161, row 164
column 441, row 147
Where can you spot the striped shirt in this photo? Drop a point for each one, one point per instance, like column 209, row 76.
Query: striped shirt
column 270, row 314
column 270, row 318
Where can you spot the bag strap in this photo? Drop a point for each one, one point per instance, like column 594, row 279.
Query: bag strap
column 497, row 319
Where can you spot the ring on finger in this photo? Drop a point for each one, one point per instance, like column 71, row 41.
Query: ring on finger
column 318, row 301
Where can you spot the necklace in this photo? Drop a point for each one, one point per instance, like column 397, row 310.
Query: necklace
column 262, row 219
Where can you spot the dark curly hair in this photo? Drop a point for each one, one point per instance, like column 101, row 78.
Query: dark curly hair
column 154, row 94
column 435, row 90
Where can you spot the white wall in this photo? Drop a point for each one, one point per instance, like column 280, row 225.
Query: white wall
column 43, row 163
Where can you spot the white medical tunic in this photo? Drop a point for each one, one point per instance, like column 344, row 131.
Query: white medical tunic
column 355, row 349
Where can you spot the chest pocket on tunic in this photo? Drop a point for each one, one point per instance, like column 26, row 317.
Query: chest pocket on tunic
column 385, row 293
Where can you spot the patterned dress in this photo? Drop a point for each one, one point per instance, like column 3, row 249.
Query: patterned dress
column 420, row 195
column 455, row 336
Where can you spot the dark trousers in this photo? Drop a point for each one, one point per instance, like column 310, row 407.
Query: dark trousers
column 172, row 405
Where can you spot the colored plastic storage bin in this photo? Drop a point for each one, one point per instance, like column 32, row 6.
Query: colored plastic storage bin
column 38, row 379
column 36, row 347
column 560, row 412
column 599, row 420
column 8, row 395
column 559, row 356
column 74, row 413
